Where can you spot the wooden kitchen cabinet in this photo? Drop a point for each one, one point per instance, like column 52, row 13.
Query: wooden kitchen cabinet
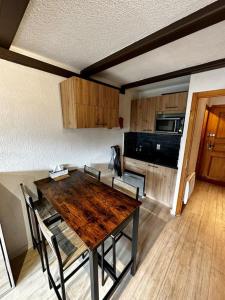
column 172, row 103
column 87, row 104
column 143, row 115
column 133, row 115
column 160, row 183
column 134, row 165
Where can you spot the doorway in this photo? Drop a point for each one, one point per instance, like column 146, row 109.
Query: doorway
column 215, row 161
column 211, row 157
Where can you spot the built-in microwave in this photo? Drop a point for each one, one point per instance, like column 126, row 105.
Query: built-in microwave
column 171, row 123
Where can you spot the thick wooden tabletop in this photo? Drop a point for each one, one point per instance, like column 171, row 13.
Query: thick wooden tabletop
column 92, row 209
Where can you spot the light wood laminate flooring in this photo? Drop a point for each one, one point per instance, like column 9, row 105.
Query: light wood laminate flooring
column 179, row 258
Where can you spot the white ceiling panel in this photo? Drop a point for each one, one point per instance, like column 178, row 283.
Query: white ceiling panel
column 200, row 47
column 81, row 32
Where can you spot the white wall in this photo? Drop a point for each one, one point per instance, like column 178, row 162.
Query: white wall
column 206, row 81
column 32, row 134
column 32, row 137
column 216, row 101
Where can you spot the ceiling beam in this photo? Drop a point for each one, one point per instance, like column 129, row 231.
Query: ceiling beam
column 207, row 16
column 11, row 14
column 216, row 64
column 43, row 66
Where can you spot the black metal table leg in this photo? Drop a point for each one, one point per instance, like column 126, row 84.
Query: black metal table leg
column 134, row 240
column 93, row 259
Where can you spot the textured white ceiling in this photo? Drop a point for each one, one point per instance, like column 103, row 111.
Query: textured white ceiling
column 200, row 47
column 81, row 32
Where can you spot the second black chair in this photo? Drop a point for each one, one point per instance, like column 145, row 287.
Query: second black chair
column 92, row 172
column 133, row 192
column 47, row 213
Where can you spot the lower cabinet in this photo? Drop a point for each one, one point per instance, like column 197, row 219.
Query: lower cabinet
column 159, row 181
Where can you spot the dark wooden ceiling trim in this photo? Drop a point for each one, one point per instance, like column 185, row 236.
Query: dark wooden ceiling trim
column 43, row 66
column 11, row 14
column 207, row 16
column 216, row 64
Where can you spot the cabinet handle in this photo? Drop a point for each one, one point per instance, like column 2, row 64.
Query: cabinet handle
column 146, row 129
column 171, row 106
column 153, row 166
column 99, row 124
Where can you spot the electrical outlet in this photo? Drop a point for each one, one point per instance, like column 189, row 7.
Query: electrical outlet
column 158, row 147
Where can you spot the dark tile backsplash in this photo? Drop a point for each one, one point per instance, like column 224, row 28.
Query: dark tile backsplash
column 143, row 146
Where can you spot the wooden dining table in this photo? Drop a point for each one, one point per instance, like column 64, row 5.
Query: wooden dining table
column 94, row 211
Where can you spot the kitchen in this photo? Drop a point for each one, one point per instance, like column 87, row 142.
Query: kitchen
column 103, row 106
column 152, row 147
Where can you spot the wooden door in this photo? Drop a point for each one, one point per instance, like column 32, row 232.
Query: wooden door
column 212, row 163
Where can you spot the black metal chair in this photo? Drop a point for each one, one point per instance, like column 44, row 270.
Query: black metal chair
column 47, row 213
column 133, row 192
column 67, row 247
column 92, row 172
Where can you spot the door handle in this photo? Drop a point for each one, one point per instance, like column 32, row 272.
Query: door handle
column 171, row 107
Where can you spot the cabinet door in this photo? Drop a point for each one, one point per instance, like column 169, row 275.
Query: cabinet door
column 86, row 116
column 160, row 183
column 175, row 102
column 108, row 97
column 87, row 104
column 152, row 183
column 133, row 115
column 134, row 165
column 143, row 115
column 111, row 117
column 109, row 101
column 172, row 103
column 148, row 114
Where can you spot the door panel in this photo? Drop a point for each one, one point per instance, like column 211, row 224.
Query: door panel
column 212, row 164
column 221, row 126
column 217, row 168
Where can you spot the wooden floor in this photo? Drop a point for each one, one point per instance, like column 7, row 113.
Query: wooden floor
column 4, row 281
column 179, row 258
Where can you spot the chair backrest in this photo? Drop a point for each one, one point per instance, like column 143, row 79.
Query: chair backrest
column 49, row 236
column 92, row 172
column 125, row 188
column 27, row 197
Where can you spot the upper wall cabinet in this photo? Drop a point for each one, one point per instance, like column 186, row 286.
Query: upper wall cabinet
column 87, row 104
column 172, row 103
column 143, row 114
column 143, row 111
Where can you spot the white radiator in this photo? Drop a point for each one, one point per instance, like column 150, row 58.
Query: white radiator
column 189, row 187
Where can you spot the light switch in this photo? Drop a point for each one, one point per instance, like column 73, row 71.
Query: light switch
column 158, row 147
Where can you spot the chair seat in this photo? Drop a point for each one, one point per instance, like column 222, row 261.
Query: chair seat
column 71, row 247
column 45, row 209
